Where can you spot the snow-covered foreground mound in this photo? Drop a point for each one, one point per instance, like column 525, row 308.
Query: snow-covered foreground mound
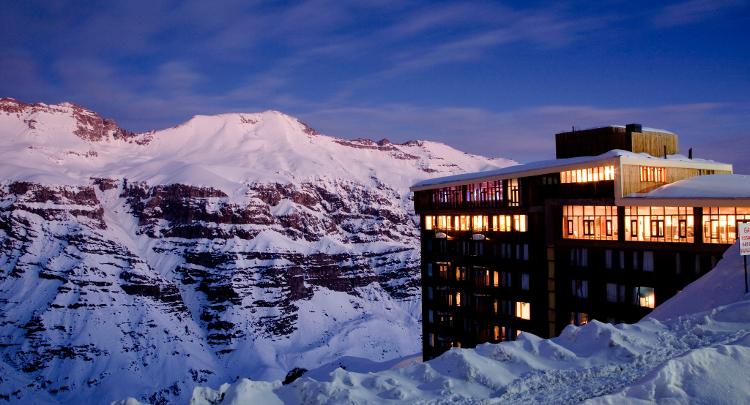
column 693, row 358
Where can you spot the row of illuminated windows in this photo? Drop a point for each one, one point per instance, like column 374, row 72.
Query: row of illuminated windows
column 720, row 223
column 482, row 276
column 446, row 318
column 477, row 193
column 588, row 174
column 659, row 224
column 655, row 224
column 653, row 174
column 590, row 222
column 476, row 223
column 457, row 299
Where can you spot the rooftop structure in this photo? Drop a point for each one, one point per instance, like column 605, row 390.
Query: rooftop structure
column 538, row 246
column 631, row 137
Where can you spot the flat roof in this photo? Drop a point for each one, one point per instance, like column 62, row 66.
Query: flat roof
column 555, row 165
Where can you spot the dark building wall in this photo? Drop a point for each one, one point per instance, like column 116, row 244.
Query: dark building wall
column 550, row 266
column 592, row 142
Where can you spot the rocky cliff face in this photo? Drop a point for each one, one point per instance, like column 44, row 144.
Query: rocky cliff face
column 237, row 245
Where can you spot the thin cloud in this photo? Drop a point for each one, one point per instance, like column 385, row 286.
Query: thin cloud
column 497, row 133
column 692, row 11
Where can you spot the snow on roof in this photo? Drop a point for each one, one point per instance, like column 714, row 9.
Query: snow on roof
column 647, row 129
column 710, row 186
column 557, row 164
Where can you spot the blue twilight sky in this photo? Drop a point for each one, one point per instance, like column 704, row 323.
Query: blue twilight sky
column 496, row 78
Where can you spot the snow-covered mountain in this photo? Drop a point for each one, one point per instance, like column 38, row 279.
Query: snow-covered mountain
column 698, row 352
column 231, row 245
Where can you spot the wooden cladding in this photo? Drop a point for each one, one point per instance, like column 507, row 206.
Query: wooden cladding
column 654, row 143
column 592, row 142
column 641, row 179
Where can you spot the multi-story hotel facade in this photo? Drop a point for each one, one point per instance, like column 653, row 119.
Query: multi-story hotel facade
column 617, row 224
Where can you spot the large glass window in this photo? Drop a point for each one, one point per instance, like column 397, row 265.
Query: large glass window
column 515, row 193
column 429, row 222
column 659, row 224
column 508, row 223
column 720, row 223
column 523, row 310
column 481, row 194
column 477, row 223
column 588, row 174
column 590, row 222
column 484, row 192
column 644, row 297
column 461, row 222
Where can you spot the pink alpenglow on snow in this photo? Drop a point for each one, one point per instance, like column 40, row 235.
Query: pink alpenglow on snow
column 695, row 348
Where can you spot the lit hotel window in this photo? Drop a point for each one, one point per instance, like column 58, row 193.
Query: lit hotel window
column 579, row 318
column 508, row 223
column 429, row 221
column 587, row 175
column 523, row 310
column 461, row 222
column 479, row 223
column 720, row 223
column 653, row 174
column 514, row 191
column 659, row 224
column 644, row 297
column 519, row 223
column 443, row 269
column 597, row 222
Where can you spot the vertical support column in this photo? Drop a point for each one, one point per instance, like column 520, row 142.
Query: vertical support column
column 698, row 224
column 551, row 290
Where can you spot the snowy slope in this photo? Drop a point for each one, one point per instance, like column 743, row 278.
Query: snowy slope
column 51, row 144
column 694, row 358
column 230, row 245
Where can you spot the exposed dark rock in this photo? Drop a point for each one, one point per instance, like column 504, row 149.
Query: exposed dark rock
column 293, row 375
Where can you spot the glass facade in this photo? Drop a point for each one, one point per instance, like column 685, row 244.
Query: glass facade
column 590, row 222
column 659, row 224
column 720, row 223
column 476, row 223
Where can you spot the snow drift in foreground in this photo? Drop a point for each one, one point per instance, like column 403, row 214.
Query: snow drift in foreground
column 686, row 357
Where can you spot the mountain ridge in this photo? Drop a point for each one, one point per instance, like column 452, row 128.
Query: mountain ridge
column 244, row 245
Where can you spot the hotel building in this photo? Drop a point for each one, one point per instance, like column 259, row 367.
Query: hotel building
column 617, row 224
